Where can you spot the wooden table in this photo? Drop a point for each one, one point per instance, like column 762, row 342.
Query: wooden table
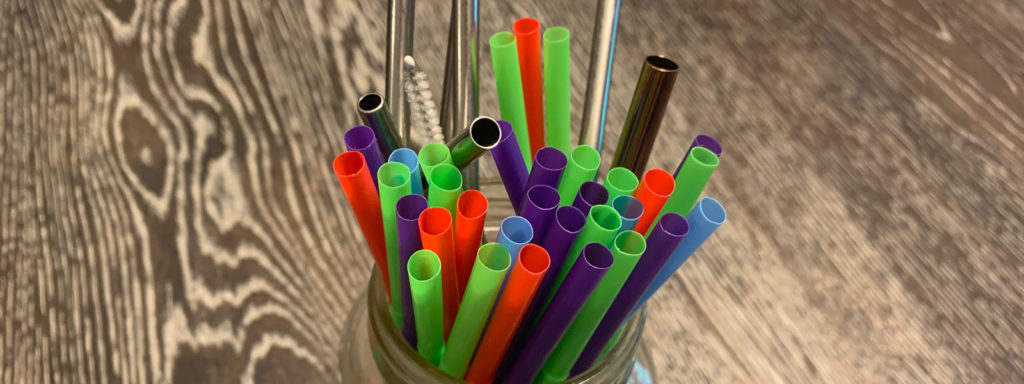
column 169, row 212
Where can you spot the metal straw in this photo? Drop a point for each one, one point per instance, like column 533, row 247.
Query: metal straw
column 483, row 134
column 599, row 76
column 399, row 44
column 374, row 113
column 643, row 121
column 466, row 87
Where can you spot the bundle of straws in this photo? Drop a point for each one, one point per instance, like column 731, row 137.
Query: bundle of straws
column 579, row 258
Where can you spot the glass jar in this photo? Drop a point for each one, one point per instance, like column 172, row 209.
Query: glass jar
column 373, row 350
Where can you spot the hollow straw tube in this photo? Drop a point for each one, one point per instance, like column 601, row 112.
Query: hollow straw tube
column 483, row 133
column 584, row 275
column 470, row 214
column 394, row 183
column 705, row 141
column 514, row 233
column 400, row 18
column 630, row 209
column 375, row 114
column 626, row 250
column 589, row 195
column 599, row 73
column 425, row 285
column 436, row 235
column 492, row 263
column 705, row 218
column 408, row 157
column 650, row 98
column 509, row 161
column 664, row 237
column 432, row 155
column 523, row 280
column 654, row 189
column 361, row 139
column 355, row 180
column 603, row 222
column 620, row 181
column 507, row 79
column 548, row 167
column 690, row 181
column 582, row 167
column 444, row 186
column 527, row 31
column 407, row 217
column 539, row 208
column 556, row 88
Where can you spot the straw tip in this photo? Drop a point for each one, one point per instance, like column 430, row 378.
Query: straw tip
column 349, row 163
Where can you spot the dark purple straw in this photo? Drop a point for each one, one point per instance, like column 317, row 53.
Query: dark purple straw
column 590, row 194
column 583, row 277
column 361, row 139
column 548, row 165
column 701, row 140
column 539, row 207
column 663, row 239
column 511, row 166
column 407, row 215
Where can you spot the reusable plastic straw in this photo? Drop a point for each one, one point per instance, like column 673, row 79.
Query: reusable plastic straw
column 583, row 163
column 527, row 31
column 425, row 284
column 589, row 195
column 599, row 73
column 705, row 218
column 375, row 114
column 653, row 88
column 548, row 167
column 394, row 183
column 407, row 217
column 482, row 134
column 690, row 181
column 444, row 186
column 361, row 139
column 603, row 222
column 509, row 161
column 620, row 181
column 654, row 189
column 556, row 88
column 514, row 233
column 432, row 155
column 508, row 81
column 492, row 263
column 521, row 287
column 539, row 208
column 408, row 157
column 664, row 237
column 584, row 275
column 626, row 249
column 630, row 209
column 470, row 214
column 705, row 141
column 354, row 176
column 436, row 235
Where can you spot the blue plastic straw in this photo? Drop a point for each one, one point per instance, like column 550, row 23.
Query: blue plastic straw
column 630, row 209
column 514, row 233
column 408, row 157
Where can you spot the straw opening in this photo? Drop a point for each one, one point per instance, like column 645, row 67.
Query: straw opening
column 349, row 163
column 674, row 224
column 534, row 259
column 435, row 221
column 622, row 178
column 424, row 265
column 550, row 158
column 370, row 102
column 434, row 154
column 659, row 182
column 712, row 210
column 405, row 156
column 593, row 193
column 570, row 218
column 543, row 196
column 525, row 26
column 359, row 138
column 502, row 39
column 586, row 157
column 662, row 63
column 606, row 217
column 446, row 176
column 628, row 207
column 393, row 175
column 494, row 256
column 472, row 204
column 517, row 229
column 485, row 132
column 631, row 243
column 704, row 156
column 709, row 143
column 410, row 206
column 598, row 256
column 556, row 34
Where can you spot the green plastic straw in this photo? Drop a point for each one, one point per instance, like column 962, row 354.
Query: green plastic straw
column 505, row 60
column 582, row 167
column 626, row 249
column 432, row 155
column 556, row 89
column 394, row 182
column 427, row 304
column 603, row 222
column 690, row 181
column 492, row 262
column 620, row 181
column 445, row 186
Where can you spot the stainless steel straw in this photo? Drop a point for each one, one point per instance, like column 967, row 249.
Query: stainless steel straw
column 599, row 75
column 466, row 87
column 643, row 121
column 482, row 134
column 399, row 44
column 373, row 110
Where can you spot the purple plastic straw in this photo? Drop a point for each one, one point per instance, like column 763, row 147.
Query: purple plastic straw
column 407, row 215
column 701, row 140
column 539, row 207
column 511, row 166
column 590, row 194
column 583, row 277
column 548, row 165
column 661, row 241
column 361, row 139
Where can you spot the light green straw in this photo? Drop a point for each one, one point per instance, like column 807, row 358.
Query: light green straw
column 603, row 222
column 582, row 167
column 505, row 60
column 626, row 250
column 445, row 186
column 432, row 155
column 620, row 181
column 393, row 179
column 427, row 304
column 556, row 88
column 690, row 181
column 492, row 262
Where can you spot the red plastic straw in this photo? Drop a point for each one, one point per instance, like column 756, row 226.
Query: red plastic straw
column 355, row 179
column 470, row 214
column 436, row 235
column 522, row 284
column 654, row 189
column 527, row 31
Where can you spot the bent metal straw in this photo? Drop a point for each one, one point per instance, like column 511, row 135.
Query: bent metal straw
column 375, row 114
column 355, row 180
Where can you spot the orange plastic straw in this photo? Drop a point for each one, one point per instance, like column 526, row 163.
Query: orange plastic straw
column 436, row 235
column 470, row 213
column 522, row 284
column 527, row 31
column 654, row 189
column 355, row 179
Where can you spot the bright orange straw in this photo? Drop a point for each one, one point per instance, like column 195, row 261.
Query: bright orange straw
column 436, row 235
column 522, row 283
column 470, row 213
column 355, row 179
column 527, row 31
column 654, row 189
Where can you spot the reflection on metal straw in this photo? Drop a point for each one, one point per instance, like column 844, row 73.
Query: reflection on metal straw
column 399, row 44
column 449, row 76
column 466, row 87
column 374, row 113
column 643, row 121
column 483, row 134
column 599, row 76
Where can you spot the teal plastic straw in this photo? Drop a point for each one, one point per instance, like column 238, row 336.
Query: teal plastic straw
column 583, row 163
column 690, row 181
column 603, row 222
column 505, row 61
column 427, row 304
column 445, row 186
column 432, row 155
column 620, row 181
column 408, row 157
column 393, row 181
column 556, row 89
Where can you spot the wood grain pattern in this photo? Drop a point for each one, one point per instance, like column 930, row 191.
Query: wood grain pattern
column 169, row 215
